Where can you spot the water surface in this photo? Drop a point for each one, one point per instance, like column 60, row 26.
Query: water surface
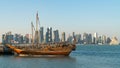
column 85, row 56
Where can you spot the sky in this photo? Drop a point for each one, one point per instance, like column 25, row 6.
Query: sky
column 79, row 16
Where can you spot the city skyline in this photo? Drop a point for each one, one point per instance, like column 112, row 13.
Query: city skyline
column 53, row 37
column 66, row 16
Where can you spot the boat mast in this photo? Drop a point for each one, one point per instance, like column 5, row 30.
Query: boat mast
column 32, row 26
column 37, row 21
column 37, row 38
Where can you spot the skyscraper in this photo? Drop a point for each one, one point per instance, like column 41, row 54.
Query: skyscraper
column 95, row 38
column 114, row 41
column 26, row 38
column 78, row 38
column 3, row 38
column 41, row 35
column 69, row 39
column 56, row 36
column 99, row 40
column 108, row 40
column 73, row 34
column 85, row 38
column 63, row 37
column 103, row 39
column 46, row 37
column 89, row 38
column 19, row 38
column 7, row 38
column 16, row 38
column 49, row 35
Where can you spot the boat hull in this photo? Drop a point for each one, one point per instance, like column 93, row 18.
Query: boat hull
column 66, row 53
column 63, row 51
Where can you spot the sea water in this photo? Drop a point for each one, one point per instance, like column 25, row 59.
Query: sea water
column 85, row 56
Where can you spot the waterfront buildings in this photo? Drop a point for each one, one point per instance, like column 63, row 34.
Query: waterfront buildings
column 104, row 39
column 41, row 35
column 27, row 38
column 78, row 38
column 16, row 38
column 108, row 40
column 114, row 41
column 99, row 40
column 69, row 39
column 56, row 36
column 48, row 37
column 63, row 39
column 7, row 38
column 95, row 38
column 85, row 38
column 89, row 38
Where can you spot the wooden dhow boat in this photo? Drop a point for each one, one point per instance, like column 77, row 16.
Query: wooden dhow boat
column 43, row 50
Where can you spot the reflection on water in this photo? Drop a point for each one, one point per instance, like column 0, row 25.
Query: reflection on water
column 38, row 62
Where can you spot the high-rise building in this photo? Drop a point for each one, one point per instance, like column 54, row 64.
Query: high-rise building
column 26, row 38
column 85, row 38
column 41, row 35
column 73, row 34
column 63, row 37
column 95, row 38
column 89, row 38
column 21, row 40
column 3, row 38
column 56, row 36
column 103, row 39
column 114, row 41
column 18, row 38
column 49, row 35
column 99, row 40
column 78, row 38
column 108, row 40
column 70, row 39
column 7, row 38
column 46, row 37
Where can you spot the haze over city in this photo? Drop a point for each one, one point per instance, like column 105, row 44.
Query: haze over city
column 68, row 16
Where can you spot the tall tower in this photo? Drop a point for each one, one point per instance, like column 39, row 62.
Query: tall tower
column 63, row 37
column 41, row 35
column 49, row 35
column 73, row 34
column 78, row 38
column 85, row 38
column 56, row 36
column 95, row 38
column 103, row 39
column 89, row 38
